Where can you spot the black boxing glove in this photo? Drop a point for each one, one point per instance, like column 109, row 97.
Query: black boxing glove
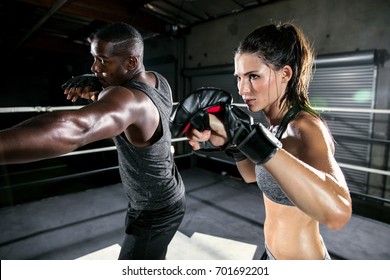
column 194, row 109
column 246, row 139
column 237, row 125
column 83, row 81
column 193, row 112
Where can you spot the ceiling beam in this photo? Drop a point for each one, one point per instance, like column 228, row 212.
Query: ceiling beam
column 52, row 11
column 108, row 11
column 56, row 45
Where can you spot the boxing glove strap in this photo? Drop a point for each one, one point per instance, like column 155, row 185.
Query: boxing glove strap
column 235, row 154
column 260, row 145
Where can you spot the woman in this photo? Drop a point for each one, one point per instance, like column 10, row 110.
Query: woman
column 302, row 183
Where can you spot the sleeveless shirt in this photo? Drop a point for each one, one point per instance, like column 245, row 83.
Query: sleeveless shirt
column 149, row 174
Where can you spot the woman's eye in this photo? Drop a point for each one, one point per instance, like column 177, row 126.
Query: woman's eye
column 253, row 77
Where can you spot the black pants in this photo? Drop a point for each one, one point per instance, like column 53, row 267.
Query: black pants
column 148, row 233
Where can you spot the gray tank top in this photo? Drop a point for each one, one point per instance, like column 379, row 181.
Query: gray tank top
column 265, row 181
column 149, row 174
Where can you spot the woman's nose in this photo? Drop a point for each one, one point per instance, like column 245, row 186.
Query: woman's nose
column 243, row 87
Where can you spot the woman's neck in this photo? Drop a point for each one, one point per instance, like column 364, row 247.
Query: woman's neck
column 275, row 113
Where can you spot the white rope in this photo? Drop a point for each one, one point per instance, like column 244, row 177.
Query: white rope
column 82, row 152
column 61, row 108
column 340, row 109
column 105, row 149
column 179, row 139
column 345, row 165
column 39, row 109
column 353, row 110
column 365, row 169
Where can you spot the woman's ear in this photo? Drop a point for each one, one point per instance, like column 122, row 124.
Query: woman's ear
column 287, row 73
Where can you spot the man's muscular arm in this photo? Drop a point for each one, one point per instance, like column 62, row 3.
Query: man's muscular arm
column 57, row 133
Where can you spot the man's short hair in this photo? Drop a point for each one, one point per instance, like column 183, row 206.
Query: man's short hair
column 125, row 38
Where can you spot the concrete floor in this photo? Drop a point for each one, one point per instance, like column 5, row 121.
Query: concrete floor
column 224, row 220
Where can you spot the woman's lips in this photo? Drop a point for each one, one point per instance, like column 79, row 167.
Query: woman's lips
column 249, row 102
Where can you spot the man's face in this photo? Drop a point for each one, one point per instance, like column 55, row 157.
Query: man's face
column 110, row 69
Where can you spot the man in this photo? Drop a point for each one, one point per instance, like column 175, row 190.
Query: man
column 133, row 107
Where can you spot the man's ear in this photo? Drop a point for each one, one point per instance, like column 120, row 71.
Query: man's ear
column 287, row 73
column 132, row 63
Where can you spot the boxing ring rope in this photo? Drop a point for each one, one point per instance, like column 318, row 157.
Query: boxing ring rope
column 63, row 178
column 106, row 149
column 352, row 110
column 42, row 109
column 112, row 148
column 37, row 109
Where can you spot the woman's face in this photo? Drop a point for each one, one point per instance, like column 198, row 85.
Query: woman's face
column 260, row 86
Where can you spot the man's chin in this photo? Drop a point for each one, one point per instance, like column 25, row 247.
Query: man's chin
column 103, row 83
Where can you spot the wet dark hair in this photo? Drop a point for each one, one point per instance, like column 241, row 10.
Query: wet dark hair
column 280, row 45
column 125, row 38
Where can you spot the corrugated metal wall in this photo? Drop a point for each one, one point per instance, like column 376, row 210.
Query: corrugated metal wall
column 350, row 87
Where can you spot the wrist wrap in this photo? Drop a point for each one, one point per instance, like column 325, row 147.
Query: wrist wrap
column 259, row 145
column 83, row 81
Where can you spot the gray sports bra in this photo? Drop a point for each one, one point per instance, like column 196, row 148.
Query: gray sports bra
column 265, row 181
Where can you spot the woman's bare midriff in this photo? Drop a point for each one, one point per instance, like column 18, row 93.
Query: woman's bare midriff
column 291, row 234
